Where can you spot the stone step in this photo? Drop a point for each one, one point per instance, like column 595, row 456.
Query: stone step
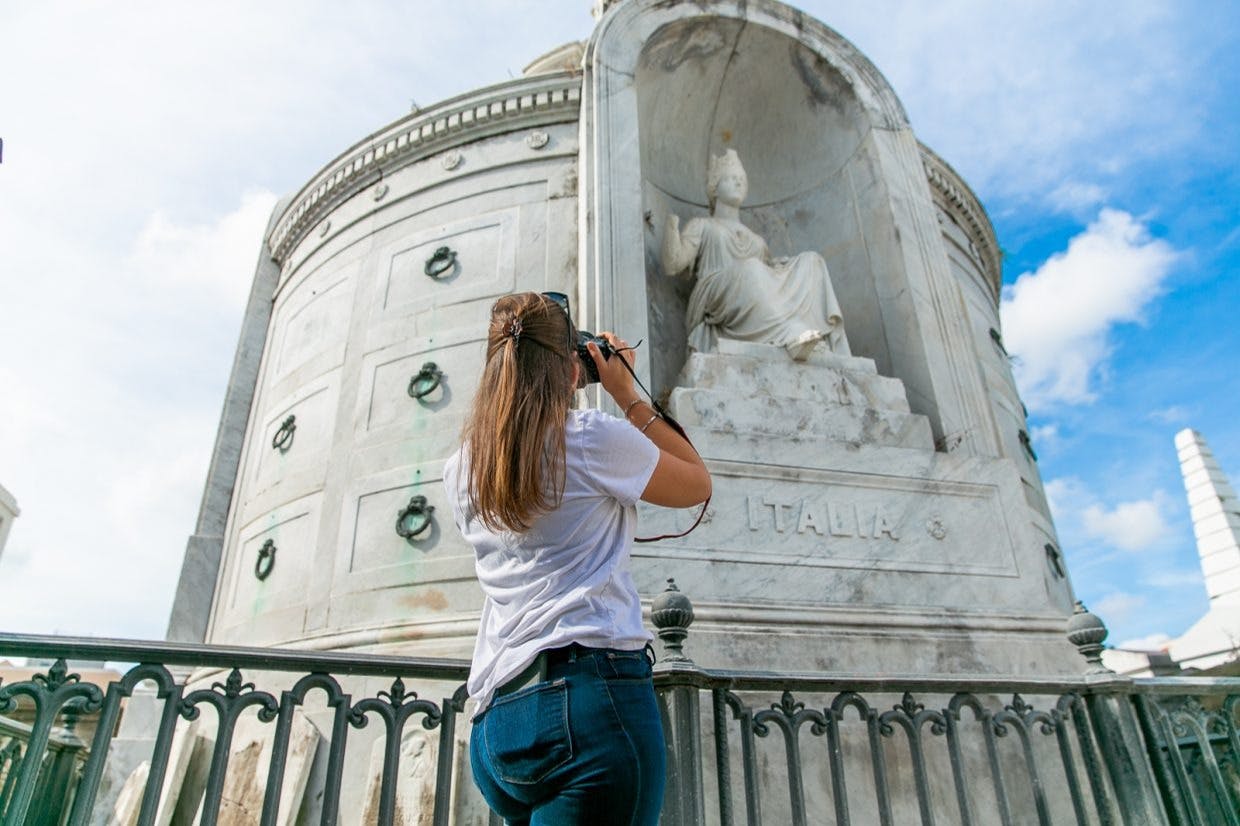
column 826, row 379
column 790, row 418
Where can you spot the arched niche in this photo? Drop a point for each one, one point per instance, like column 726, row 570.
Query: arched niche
column 833, row 167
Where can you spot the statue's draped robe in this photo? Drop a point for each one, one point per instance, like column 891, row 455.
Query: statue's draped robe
column 740, row 294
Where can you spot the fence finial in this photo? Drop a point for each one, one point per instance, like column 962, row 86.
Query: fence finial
column 1087, row 631
column 672, row 614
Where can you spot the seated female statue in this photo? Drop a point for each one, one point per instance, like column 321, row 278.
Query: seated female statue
column 741, row 293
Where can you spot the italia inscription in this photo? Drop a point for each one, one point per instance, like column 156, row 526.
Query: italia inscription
column 844, row 526
column 837, row 518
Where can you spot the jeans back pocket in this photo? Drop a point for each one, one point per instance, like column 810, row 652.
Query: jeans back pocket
column 527, row 734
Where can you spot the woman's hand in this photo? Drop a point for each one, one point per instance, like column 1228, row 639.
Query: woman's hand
column 613, row 375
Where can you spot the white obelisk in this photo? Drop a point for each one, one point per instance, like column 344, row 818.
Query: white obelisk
column 1215, row 510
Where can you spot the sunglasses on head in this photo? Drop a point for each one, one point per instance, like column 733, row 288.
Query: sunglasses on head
column 561, row 301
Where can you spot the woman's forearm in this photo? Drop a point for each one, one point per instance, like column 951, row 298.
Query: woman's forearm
column 642, row 416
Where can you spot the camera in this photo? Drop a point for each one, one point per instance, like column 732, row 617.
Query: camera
column 589, row 372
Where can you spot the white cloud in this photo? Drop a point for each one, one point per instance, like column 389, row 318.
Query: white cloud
column 1045, row 436
column 1056, row 320
column 1130, row 526
column 1186, row 578
column 1063, row 495
column 1075, row 197
column 1032, row 94
column 215, row 258
column 1176, row 414
column 1118, row 607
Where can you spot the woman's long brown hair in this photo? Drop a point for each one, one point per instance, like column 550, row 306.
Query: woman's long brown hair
column 515, row 432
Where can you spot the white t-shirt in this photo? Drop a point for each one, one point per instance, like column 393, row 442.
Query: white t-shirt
column 566, row 579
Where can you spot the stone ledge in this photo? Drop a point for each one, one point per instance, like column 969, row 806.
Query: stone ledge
column 791, row 417
column 828, row 380
column 749, row 388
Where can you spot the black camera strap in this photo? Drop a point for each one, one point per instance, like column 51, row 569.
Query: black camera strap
column 675, row 425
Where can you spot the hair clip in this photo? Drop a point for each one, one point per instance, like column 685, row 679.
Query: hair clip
column 514, row 329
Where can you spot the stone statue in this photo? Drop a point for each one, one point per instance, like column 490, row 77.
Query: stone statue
column 741, row 293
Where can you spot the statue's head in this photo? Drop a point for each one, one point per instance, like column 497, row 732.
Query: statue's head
column 726, row 179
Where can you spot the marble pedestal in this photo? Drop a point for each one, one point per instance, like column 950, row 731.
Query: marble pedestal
column 839, row 538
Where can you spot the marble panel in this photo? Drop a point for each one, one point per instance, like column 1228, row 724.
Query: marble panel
column 374, row 556
column 428, row 426
column 312, row 321
column 482, row 266
column 278, row 599
column 495, row 227
column 298, row 466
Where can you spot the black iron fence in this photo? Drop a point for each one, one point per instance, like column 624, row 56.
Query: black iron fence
column 743, row 747
column 34, row 794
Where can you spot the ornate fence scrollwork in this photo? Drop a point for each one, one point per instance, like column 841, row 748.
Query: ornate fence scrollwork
column 441, row 262
column 415, row 518
column 789, row 715
column 229, row 699
column 283, row 439
column 425, row 381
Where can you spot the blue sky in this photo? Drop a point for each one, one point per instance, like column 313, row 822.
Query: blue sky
column 145, row 145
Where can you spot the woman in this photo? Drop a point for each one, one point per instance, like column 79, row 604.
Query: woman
column 566, row 730
column 740, row 292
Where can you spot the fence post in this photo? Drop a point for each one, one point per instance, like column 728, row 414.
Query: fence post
column 1110, row 704
column 58, row 779
column 672, row 614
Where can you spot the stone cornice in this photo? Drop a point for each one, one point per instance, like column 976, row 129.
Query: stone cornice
column 955, row 196
column 494, row 110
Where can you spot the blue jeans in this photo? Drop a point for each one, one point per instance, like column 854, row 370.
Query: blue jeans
column 583, row 747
